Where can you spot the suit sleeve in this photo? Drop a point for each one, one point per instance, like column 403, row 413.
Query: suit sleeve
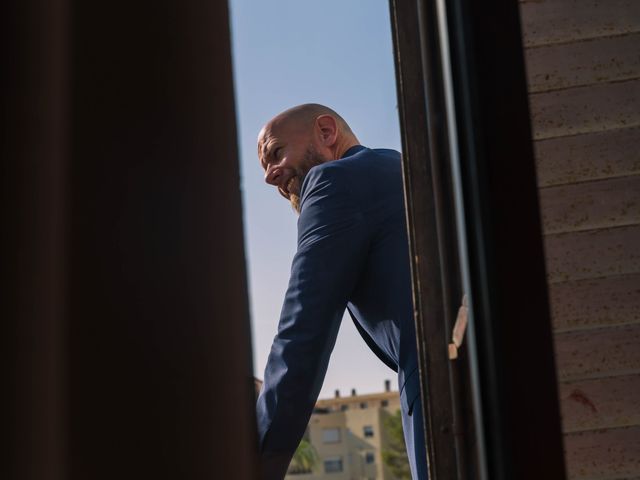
column 332, row 245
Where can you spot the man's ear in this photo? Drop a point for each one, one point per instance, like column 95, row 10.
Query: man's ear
column 327, row 129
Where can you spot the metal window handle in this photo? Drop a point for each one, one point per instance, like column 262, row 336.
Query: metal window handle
column 459, row 328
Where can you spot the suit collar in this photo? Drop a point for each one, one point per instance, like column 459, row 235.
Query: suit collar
column 353, row 150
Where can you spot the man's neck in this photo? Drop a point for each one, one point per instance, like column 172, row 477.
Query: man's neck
column 342, row 147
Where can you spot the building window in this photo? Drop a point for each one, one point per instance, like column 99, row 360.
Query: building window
column 363, row 405
column 370, row 457
column 384, row 403
column 333, row 465
column 368, row 431
column 331, row 435
column 344, row 407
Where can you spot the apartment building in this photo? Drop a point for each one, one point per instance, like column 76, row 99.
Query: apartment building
column 348, row 435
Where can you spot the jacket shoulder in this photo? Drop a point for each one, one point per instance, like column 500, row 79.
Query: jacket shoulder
column 358, row 175
column 366, row 162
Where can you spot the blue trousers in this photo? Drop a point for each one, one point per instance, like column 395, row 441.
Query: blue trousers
column 413, row 429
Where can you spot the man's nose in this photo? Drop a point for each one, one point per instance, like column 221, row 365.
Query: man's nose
column 273, row 174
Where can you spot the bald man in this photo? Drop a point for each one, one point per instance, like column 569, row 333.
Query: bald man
column 352, row 254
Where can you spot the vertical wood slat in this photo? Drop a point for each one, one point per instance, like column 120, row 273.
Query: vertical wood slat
column 560, row 21
column 591, row 205
column 585, row 109
column 160, row 380
column 424, row 148
column 606, row 301
column 593, row 254
column 127, row 341
column 590, row 156
column 33, row 188
column 583, row 63
column 600, row 403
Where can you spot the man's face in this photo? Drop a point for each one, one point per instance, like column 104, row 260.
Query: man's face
column 287, row 155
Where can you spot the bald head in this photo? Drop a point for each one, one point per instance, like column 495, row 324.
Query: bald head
column 305, row 115
column 296, row 140
column 303, row 119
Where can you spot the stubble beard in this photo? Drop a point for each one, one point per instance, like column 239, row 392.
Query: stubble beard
column 311, row 159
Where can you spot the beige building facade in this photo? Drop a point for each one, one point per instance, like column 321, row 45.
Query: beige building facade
column 348, row 434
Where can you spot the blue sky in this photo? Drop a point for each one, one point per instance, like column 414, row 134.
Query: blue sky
column 288, row 52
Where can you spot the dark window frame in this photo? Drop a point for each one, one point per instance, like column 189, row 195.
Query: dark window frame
column 339, row 462
column 458, row 163
column 326, row 429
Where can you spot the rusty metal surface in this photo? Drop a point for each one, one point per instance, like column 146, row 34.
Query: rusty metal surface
column 593, row 254
column 591, row 205
column 596, row 302
column 585, row 109
column 583, row 63
column 590, row 156
column 561, row 21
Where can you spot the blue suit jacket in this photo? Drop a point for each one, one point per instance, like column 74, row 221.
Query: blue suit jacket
column 352, row 253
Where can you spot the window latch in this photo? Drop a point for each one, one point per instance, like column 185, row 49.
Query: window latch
column 459, row 328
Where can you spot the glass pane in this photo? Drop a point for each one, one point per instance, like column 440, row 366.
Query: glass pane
column 288, row 53
column 333, row 465
column 331, row 435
